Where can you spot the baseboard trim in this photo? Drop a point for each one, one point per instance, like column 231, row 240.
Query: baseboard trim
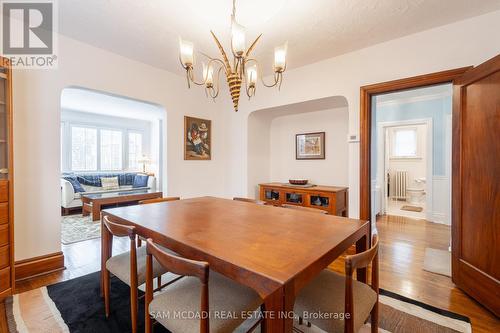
column 41, row 265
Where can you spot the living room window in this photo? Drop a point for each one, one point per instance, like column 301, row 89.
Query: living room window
column 93, row 148
column 134, row 150
column 83, row 148
column 111, row 150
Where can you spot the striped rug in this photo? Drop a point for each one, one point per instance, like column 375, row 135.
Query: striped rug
column 76, row 306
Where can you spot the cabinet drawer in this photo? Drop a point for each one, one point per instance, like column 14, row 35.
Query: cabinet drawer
column 4, row 256
column 4, row 279
column 4, row 234
column 4, row 213
column 4, row 190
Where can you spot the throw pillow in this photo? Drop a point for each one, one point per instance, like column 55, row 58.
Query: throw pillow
column 140, row 181
column 110, row 183
column 77, row 187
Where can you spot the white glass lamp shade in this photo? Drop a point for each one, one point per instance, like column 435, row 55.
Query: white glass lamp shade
column 252, row 76
column 237, row 38
column 186, row 51
column 208, row 74
column 280, row 57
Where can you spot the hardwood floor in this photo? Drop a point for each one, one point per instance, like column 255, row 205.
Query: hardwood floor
column 402, row 246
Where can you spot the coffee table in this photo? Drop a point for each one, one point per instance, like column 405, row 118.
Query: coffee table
column 92, row 202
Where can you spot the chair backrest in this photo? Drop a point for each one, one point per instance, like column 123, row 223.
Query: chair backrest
column 353, row 262
column 149, row 201
column 119, row 230
column 180, row 266
column 258, row 202
column 305, row 209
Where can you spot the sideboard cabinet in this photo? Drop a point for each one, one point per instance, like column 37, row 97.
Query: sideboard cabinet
column 333, row 199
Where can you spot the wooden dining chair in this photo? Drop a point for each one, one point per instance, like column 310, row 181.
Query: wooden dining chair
column 255, row 201
column 305, row 209
column 129, row 267
column 359, row 300
column 216, row 294
column 149, row 201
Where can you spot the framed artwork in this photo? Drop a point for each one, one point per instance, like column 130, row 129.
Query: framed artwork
column 197, row 139
column 310, row 146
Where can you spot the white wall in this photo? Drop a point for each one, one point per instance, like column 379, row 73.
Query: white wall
column 37, row 116
column 326, row 113
column 455, row 45
column 330, row 171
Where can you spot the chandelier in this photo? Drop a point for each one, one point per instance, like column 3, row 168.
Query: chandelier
column 243, row 69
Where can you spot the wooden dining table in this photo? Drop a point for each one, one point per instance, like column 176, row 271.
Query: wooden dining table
column 275, row 251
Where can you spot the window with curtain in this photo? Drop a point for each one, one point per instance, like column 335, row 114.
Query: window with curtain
column 404, row 143
column 83, row 148
column 134, row 150
column 111, row 150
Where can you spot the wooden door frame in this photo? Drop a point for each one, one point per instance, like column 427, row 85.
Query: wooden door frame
column 366, row 93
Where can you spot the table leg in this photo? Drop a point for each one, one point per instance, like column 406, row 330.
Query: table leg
column 85, row 204
column 279, row 311
column 273, row 305
column 96, row 211
column 361, row 246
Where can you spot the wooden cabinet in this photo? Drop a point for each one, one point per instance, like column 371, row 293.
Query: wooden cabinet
column 6, row 185
column 333, row 199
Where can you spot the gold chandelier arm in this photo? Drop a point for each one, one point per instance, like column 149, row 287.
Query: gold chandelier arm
column 224, row 56
column 191, row 77
column 250, row 49
column 278, row 76
column 220, row 62
column 277, row 79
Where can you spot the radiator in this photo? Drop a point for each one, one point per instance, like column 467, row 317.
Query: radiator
column 400, row 183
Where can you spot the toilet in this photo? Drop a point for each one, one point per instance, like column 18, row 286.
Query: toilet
column 415, row 194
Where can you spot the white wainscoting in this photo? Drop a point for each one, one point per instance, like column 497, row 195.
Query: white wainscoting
column 440, row 210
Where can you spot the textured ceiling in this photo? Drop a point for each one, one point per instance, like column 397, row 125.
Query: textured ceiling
column 148, row 30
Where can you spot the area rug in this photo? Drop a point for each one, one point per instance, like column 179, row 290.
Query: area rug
column 412, row 208
column 437, row 261
column 78, row 228
column 76, row 306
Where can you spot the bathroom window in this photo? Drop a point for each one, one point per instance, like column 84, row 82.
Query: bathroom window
column 404, row 143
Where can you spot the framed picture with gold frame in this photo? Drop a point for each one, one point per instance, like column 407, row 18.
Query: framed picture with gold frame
column 310, row 146
column 197, row 139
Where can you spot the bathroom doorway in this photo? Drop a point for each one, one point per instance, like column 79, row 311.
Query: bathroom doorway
column 411, row 157
column 411, row 172
column 406, row 165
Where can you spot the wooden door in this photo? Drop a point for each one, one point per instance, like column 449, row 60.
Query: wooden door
column 476, row 184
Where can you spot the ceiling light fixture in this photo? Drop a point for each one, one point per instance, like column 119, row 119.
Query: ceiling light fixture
column 243, row 69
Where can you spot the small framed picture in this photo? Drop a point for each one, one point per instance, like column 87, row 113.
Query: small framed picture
column 197, row 139
column 310, row 146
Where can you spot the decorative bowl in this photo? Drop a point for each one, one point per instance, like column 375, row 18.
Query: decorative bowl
column 298, row 181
